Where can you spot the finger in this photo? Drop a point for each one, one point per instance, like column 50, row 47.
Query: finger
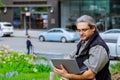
column 56, row 69
column 62, row 66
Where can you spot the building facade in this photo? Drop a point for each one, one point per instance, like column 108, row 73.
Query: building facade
column 105, row 12
column 38, row 14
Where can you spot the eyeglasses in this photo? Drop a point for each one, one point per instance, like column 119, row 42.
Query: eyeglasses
column 83, row 30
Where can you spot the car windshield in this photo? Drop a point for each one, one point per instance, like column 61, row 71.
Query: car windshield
column 8, row 25
column 69, row 30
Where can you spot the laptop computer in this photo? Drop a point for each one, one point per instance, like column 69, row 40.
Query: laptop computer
column 70, row 64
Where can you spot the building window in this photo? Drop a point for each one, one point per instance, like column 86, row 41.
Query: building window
column 16, row 17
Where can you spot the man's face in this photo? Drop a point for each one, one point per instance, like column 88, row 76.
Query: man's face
column 85, row 31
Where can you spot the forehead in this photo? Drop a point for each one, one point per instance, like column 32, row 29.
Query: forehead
column 82, row 25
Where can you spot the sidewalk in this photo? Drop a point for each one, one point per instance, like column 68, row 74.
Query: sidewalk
column 34, row 34
column 22, row 33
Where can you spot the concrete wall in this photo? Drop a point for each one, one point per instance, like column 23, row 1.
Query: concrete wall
column 7, row 2
column 53, row 12
column 7, row 16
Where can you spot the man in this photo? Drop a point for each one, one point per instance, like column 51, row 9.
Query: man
column 91, row 55
column 29, row 45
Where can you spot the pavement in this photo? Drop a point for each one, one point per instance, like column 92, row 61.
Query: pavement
column 32, row 32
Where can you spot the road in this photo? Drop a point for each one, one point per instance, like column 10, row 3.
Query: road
column 48, row 49
column 19, row 44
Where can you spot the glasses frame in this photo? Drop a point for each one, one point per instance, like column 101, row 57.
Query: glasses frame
column 83, row 30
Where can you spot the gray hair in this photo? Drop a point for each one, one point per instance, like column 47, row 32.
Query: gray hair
column 86, row 18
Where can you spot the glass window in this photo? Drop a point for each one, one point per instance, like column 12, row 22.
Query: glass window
column 7, row 25
column 16, row 17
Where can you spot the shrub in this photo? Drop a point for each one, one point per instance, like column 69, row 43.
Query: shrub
column 115, row 67
column 13, row 61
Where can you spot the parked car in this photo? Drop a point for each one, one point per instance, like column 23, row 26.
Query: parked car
column 1, row 34
column 59, row 34
column 110, row 35
column 114, row 48
column 6, row 28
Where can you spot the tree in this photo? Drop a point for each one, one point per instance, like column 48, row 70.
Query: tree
column 1, row 3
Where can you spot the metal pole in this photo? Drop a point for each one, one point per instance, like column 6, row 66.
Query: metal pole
column 26, row 19
column 26, row 26
column 52, row 76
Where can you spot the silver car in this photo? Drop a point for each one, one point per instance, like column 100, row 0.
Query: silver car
column 59, row 34
column 110, row 35
column 6, row 28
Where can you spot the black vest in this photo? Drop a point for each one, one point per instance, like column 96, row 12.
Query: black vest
column 104, row 74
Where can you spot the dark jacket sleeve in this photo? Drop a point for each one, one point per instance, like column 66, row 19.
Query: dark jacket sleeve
column 29, row 43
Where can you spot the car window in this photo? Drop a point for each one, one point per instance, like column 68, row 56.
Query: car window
column 114, row 31
column 117, row 32
column 58, row 31
column 69, row 30
column 7, row 25
column 109, row 32
column 51, row 31
column 0, row 26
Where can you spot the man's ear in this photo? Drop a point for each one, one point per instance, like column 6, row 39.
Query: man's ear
column 93, row 28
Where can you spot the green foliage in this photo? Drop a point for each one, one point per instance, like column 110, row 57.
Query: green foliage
column 1, row 3
column 20, row 66
column 115, row 67
column 31, row 76
column 25, row 65
column 12, row 61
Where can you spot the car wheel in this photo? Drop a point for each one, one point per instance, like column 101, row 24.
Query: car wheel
column 72, row 41
column 63, row 40
column 7, row 35
column 41, row 38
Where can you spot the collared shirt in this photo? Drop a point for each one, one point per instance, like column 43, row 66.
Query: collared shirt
column 82, row 46
column 98, row 57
